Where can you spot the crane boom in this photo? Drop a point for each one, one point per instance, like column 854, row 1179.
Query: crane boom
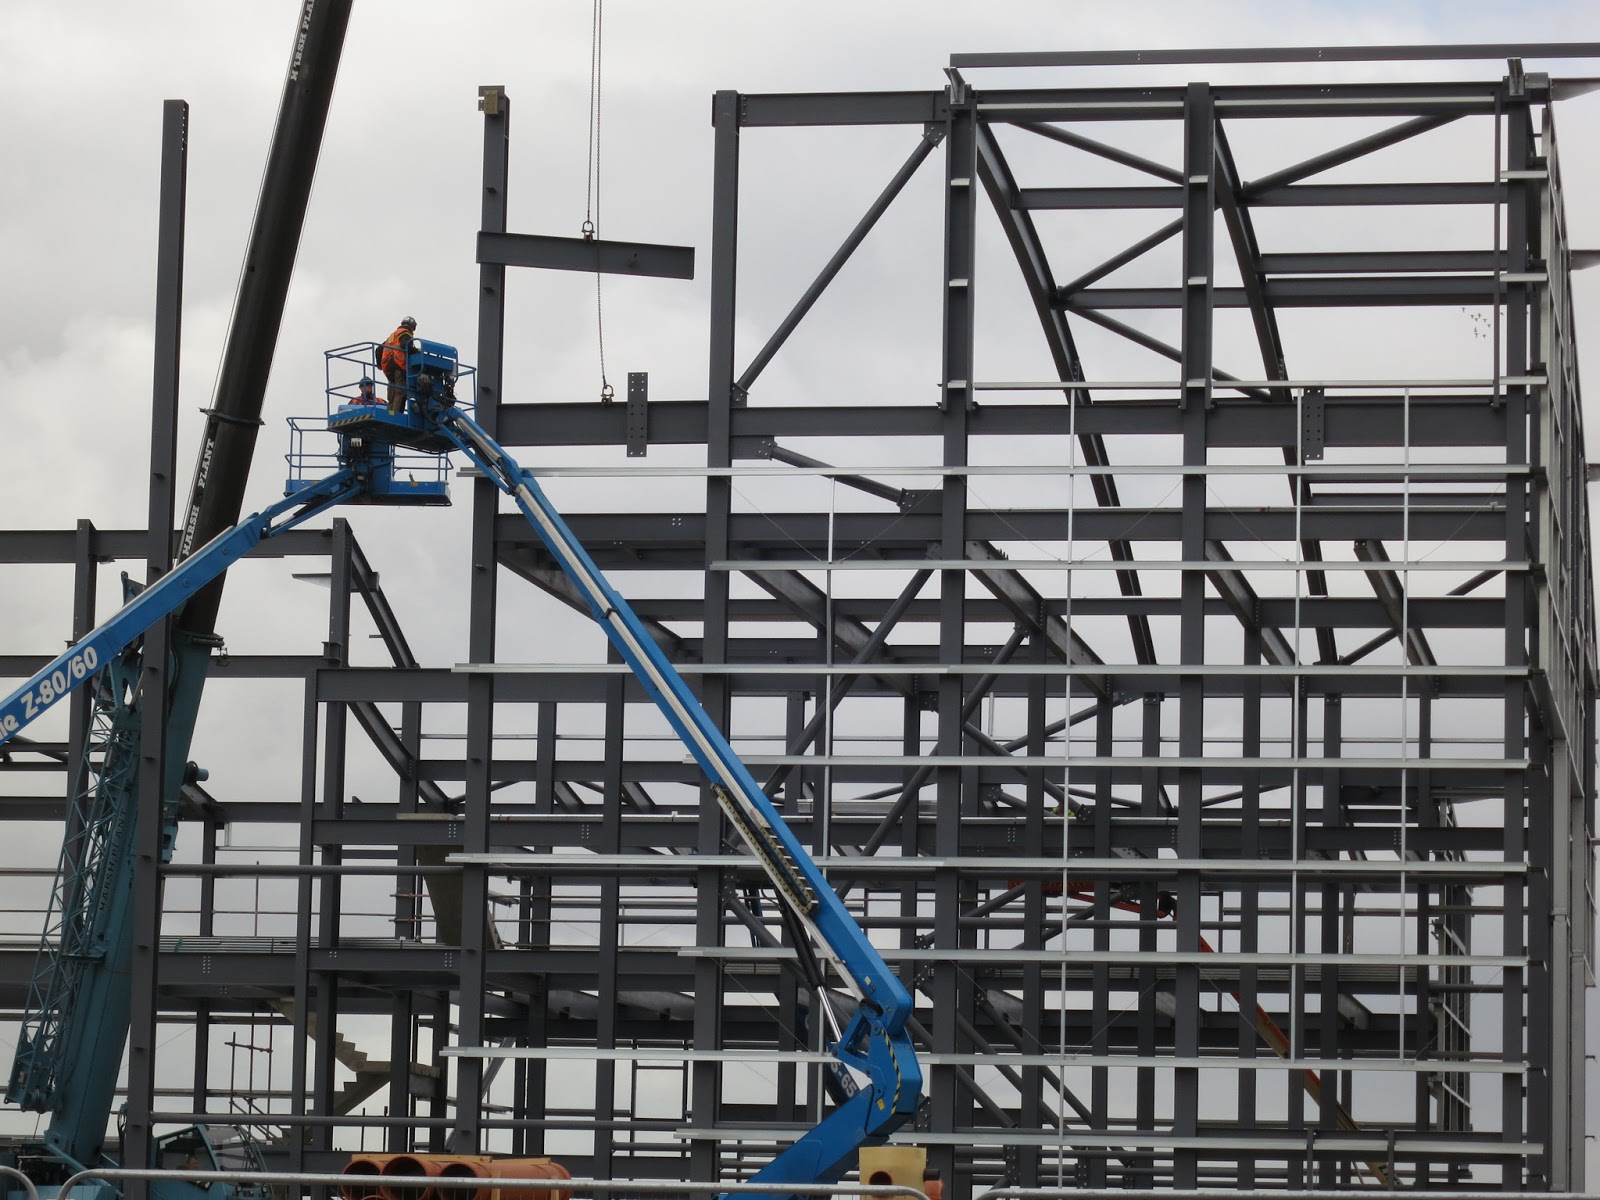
column 228, row 443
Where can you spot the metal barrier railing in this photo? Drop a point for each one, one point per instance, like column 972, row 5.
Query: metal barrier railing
column 1022, row 1193
column 13, row 1173
column 667, row 1187
column 596, row 1187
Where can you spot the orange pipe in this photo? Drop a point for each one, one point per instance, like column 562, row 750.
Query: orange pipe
column 466, row 1168
column 363, row 1167
column 411, row 1167
column 530, row 1168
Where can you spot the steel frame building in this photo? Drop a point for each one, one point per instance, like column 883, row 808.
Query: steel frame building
column 1213, row 752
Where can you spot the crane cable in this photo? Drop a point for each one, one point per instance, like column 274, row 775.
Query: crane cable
column 591, row 193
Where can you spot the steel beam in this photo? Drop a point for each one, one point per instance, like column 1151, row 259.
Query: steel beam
column 1266, row 195
column 593, row 255
column 1357, row 291
column 1354, row 420
column 1457, row 52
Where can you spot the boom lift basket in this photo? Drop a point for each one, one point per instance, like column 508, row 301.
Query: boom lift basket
column 403, row 460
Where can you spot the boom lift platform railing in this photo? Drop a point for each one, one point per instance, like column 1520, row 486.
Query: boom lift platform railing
column 396, row 454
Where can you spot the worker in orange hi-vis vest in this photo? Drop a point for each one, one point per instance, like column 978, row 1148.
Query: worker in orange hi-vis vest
column 392, row 362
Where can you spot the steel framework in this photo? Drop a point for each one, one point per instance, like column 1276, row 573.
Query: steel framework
column 1214, row 753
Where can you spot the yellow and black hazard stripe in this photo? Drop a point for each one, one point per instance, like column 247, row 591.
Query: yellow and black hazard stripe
column 898, row 1078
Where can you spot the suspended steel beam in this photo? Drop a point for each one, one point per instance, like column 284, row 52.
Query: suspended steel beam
column 585, row 254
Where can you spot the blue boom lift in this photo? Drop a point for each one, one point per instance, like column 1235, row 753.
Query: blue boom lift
column 71, row 1044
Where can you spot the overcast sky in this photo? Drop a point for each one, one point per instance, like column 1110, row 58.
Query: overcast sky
column 391, row 233
column 392, row 219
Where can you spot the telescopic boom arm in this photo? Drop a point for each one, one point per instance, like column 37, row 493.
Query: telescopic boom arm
column 165, row 596
column 875, row 1041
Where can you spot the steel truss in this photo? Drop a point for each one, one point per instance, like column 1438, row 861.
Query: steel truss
column 1225, row 792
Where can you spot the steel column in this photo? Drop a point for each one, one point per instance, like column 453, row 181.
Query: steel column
column 153, row 773
column 944, row 987
column 482, row 608
column 705, row 1086
column 1200, row 194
